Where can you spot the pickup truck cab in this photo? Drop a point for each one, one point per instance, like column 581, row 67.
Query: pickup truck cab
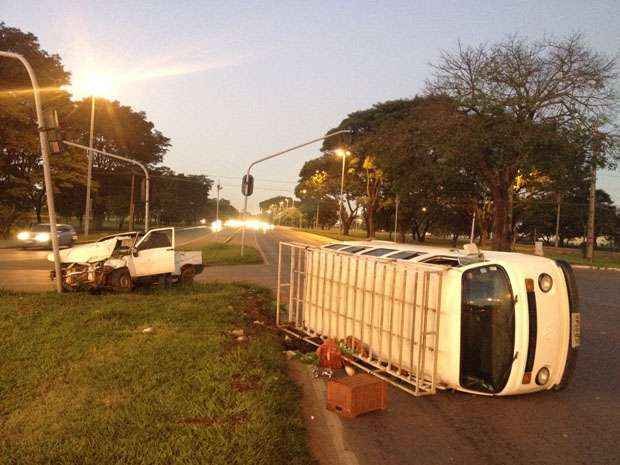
column 124, row 260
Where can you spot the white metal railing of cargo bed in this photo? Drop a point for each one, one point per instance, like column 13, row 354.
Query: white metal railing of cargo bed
column 387, row 312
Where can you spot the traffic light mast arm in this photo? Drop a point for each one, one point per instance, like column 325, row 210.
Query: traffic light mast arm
column 128, row 160
column 274, row 155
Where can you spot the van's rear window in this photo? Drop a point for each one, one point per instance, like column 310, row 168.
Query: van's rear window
column 354, row 249
column 335, row 246
column 406, row 255
column 378, row 252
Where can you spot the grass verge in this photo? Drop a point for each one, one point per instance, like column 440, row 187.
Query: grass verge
column 80, row 383
column 602, row 259
column 218, row 253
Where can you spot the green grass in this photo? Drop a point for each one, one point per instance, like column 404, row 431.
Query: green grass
column 218, row 253
column 603, row 259
column 80, row 383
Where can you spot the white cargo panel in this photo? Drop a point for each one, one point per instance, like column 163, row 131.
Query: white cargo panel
column 390, row 308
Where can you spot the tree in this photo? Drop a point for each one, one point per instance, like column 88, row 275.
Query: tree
column 179, row 198
column 364, row 179
column 320, row 178
column 119, row 129
column 512, row 90
column 21, row 187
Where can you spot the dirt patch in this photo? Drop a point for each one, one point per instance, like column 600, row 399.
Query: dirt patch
column 242, row 383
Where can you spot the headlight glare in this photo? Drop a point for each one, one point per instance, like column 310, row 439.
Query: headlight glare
column 545, row 282
column 23, row 236
column 42, row 237
column 542, row 377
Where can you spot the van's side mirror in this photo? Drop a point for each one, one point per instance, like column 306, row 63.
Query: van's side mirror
column 134, row 251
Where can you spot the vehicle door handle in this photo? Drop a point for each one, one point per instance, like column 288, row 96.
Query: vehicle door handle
column 170, row 249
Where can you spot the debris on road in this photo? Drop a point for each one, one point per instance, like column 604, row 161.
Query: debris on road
column 355, row 395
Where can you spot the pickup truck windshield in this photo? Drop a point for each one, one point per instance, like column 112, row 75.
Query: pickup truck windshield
column 487, row 329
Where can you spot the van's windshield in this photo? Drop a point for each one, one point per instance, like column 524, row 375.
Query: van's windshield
column 487, row 329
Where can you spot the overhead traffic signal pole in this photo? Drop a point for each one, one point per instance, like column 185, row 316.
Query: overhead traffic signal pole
column 49, row 189
column 249, row 180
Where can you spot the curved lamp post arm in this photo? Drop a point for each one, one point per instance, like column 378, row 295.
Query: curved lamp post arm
column 47, row 175
column 128, row 160
column 274, row 155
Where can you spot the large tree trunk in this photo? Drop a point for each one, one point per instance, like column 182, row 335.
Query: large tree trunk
column 38, row 207
column 502, row 214
column 346, row 224
column 370, row 220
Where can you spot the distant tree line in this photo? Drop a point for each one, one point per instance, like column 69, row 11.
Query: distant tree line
column 507, row 132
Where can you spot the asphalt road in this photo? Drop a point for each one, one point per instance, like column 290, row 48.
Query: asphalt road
column 29, row 270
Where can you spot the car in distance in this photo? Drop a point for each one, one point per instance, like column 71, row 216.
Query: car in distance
column 39, row 236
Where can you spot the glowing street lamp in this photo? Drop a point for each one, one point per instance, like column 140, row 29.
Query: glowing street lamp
column 344, row 154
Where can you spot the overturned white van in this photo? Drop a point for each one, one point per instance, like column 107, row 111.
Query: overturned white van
column 422, row 318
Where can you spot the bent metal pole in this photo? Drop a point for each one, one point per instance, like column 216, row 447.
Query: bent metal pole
column 49, row 189
column 129, row 160
column 268, row 157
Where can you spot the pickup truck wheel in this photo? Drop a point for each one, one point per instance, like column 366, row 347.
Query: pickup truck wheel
column 187, row 274
column 120, row 280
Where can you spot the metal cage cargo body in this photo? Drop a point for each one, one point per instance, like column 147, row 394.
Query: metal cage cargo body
column 423, row 318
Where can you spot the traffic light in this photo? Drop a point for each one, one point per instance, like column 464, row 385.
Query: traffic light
column 247, row 185
column 52, row 128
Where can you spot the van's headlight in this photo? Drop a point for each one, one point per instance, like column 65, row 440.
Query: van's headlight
column 42, row 237
column 23, row 236
column 545, row 282
column 542, row 377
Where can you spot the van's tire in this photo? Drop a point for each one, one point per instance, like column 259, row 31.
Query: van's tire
column 187, row 275
column 120, row 280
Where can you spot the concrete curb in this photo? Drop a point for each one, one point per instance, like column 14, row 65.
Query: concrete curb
column 325, row 430
column 260, row 250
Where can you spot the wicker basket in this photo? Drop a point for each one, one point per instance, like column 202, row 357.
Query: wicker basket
column 354, row 395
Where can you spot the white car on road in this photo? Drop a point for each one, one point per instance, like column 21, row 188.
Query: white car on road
column 124, row 260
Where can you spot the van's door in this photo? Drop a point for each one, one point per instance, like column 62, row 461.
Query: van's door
column 154, row 253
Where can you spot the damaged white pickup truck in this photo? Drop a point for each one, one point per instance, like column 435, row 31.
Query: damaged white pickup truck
column 122, row 261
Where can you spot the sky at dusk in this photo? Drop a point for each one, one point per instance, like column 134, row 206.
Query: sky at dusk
column 230, row 82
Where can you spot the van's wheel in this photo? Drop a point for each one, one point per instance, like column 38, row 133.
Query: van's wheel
column 120, row 280
column 187, row 274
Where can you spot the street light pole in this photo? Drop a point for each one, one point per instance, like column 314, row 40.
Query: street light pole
column 89, row 175
column 47, row 175
column 397, row 202
column 268, row 157
column 129, row 160
column 217, row 205
column 344, row 157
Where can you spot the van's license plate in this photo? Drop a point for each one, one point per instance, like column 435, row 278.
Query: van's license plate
column 575, row 330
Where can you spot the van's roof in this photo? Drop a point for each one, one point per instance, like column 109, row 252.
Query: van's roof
column 427, row 251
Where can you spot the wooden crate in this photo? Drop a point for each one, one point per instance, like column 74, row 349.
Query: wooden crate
column 354, row 395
